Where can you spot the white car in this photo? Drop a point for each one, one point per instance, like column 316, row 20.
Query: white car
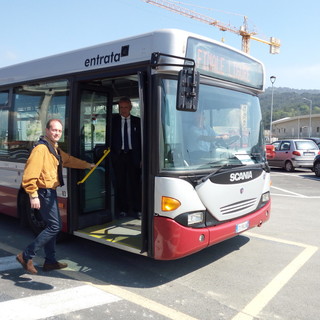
column 294, row 153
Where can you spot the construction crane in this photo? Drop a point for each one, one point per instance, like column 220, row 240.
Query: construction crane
column 274, row 43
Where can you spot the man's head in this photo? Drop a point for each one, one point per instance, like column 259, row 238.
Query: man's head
column 125, row 107
column 54, row 130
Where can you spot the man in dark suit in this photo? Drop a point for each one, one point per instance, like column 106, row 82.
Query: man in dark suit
column 126, row 160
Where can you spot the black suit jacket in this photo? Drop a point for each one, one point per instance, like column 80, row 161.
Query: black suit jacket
column 116, row 138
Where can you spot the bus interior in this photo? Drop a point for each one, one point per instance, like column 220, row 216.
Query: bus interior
column 96, row 216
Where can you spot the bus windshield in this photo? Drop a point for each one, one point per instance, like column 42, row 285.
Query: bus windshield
column 225, row 130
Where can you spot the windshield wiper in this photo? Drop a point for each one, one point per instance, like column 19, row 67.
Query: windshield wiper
column 203, row 179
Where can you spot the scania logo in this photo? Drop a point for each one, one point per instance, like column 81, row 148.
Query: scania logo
column 237, row 176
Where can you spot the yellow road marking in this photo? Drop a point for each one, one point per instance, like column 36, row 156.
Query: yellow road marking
column 254, row 307
column 249, row 312
column 144, row 302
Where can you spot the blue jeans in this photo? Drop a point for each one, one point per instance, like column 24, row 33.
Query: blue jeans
column 47, row 238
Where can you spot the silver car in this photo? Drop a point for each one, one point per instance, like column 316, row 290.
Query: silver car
column 294, row 153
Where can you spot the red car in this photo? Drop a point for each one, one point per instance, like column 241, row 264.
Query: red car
column 270, row 151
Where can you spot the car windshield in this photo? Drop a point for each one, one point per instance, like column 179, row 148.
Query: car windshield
column 225, row 130
column 306, row 145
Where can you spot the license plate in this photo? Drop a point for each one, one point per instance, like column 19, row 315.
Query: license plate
column 308, row 154
column 242, row 226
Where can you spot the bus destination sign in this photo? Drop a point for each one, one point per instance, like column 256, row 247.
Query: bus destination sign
column 225, row 64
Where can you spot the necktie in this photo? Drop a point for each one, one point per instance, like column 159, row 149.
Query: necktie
column 125, row 136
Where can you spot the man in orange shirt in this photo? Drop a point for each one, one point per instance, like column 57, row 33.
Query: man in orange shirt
column 42, row 175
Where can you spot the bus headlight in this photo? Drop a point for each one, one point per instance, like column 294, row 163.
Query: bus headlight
column 265, row 197
column 195, row 217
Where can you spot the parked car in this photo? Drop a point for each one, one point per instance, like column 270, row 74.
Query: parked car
column 316, row 140
column 316, row 166
column 294, row 153
column 270, row 151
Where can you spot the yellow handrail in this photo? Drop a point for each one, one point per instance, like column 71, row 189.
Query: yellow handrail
column 105, row 153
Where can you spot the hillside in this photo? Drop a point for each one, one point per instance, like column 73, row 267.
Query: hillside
column 288, row 102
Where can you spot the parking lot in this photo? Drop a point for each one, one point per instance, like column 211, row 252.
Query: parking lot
column 271, row 272
column 294, row 226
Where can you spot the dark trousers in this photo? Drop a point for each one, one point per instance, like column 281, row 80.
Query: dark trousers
column 127, row 184
column 47, row 238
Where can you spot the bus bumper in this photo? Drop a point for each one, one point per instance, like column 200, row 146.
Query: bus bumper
column 174, row 241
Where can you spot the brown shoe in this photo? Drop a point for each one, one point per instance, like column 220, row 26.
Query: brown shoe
column 54, row 266
column 26, row 265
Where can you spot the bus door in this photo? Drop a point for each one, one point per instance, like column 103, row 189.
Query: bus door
column 93, row 212
column 94, row 194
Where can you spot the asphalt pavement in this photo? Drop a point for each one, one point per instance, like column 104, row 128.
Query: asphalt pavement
column 271, row 272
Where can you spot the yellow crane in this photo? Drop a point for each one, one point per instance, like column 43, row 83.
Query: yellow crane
column 274, row 43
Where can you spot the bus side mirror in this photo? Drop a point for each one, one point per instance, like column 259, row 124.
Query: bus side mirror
column 188, row 90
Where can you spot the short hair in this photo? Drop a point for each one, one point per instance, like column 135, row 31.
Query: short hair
column 51, row 120
column 124, row 99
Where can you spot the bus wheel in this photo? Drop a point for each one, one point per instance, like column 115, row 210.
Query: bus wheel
column 289, row 166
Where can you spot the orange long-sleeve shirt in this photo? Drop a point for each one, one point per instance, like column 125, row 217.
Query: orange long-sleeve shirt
column 41, row 170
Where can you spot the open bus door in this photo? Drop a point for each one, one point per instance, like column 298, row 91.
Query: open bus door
column 94, row 200
column 94, row 196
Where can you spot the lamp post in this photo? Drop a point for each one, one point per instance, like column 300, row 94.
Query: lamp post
column 310, row 128
column 272, row 79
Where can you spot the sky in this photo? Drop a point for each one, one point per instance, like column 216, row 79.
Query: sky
column 32, row 29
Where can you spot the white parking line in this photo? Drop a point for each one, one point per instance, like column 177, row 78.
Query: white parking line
column 40, row 306
column 254, row 307
column 55, row 303
column 291, row 193
column 145, row 302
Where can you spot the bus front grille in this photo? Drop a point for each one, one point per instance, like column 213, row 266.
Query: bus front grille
column 238, row 206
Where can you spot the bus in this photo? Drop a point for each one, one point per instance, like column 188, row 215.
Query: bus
column 191, row 199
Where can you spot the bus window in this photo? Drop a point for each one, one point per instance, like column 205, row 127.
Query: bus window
column 34, row 105
column 227, row 116
column 171, row 144
column 93, row 120
column 4, row 116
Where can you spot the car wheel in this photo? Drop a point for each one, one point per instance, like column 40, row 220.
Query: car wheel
column 289, row 166
column 317, row 169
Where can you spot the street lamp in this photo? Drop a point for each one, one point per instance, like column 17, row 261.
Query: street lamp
column 272, row 79
column 310, row 128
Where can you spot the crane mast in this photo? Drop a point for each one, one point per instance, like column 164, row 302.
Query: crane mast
column 243, row 31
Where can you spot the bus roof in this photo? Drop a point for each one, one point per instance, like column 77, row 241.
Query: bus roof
column 135, row 49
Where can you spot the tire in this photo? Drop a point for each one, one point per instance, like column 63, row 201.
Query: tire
column 288, row 166
column 317, row 169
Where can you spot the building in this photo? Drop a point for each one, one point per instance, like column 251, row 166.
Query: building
column 296, row 127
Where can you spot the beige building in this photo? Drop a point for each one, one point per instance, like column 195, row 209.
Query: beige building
column 296, row 127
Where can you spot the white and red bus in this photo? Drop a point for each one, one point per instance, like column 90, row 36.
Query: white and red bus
column 190, row 200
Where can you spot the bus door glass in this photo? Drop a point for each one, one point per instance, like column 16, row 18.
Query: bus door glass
column 95, row 192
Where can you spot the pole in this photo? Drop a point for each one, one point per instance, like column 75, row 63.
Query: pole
column 105, row 153
column 310, row 116
column 272, row 79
